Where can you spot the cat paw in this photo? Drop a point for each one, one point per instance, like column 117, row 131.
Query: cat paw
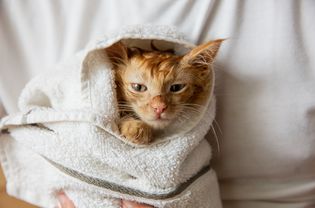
column 136, row 131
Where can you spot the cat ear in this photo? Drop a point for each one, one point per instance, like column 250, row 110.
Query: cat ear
column 117, row 53
column 204, row 54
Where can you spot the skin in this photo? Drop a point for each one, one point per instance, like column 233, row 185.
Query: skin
column 65, row 202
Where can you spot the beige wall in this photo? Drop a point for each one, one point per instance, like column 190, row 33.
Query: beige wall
column 7, row 201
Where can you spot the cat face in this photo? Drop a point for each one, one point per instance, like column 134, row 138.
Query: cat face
column 162, row 87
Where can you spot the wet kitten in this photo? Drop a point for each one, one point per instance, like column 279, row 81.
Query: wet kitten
column 155, row 88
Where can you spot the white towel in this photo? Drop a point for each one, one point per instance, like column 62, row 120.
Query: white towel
column 66, row 138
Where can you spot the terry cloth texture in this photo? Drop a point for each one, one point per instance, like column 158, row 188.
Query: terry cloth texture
column 66, row 138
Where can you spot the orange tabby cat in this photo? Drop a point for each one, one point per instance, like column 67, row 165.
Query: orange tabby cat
column 155, row 88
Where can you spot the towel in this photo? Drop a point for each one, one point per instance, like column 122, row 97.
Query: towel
column 65, row 137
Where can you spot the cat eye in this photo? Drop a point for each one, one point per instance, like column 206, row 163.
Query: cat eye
column 138, row 87
column 177, row 87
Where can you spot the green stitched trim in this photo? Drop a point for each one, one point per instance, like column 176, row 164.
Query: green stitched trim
column 125, row 190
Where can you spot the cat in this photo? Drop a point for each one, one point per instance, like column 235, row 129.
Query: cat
column 154, row 88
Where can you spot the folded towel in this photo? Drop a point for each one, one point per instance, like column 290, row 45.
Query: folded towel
column 66, row 138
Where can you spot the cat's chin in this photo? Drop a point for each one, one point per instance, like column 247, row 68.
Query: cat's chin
column 158, row 123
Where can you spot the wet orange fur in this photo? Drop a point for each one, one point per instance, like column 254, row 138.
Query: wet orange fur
column 158, row 71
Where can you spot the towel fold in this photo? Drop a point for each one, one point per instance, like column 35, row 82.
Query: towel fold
column 66, row 138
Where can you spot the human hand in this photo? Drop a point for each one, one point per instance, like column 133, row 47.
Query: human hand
column 65, row 202
column 131, row 204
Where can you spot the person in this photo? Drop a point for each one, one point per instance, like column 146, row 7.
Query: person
column 265, row 79
column 65, row 202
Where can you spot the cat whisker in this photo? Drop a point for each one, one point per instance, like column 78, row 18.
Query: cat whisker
column 124, row 104
column 182, row 118
column 120, row 106
column 184, row 115
column 181, row 112
column 193, row 105
column 216, row 138
column 125, row 109
column 218, row 126
column 122, row 101
column 192, row 109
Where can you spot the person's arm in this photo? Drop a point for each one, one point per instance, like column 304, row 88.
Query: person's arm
column 65, row 202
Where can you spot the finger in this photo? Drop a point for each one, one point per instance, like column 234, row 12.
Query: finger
column 131, row 204
column 64, row 201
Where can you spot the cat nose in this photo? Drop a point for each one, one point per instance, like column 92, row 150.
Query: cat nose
column 158, row 104
column 160, row 109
